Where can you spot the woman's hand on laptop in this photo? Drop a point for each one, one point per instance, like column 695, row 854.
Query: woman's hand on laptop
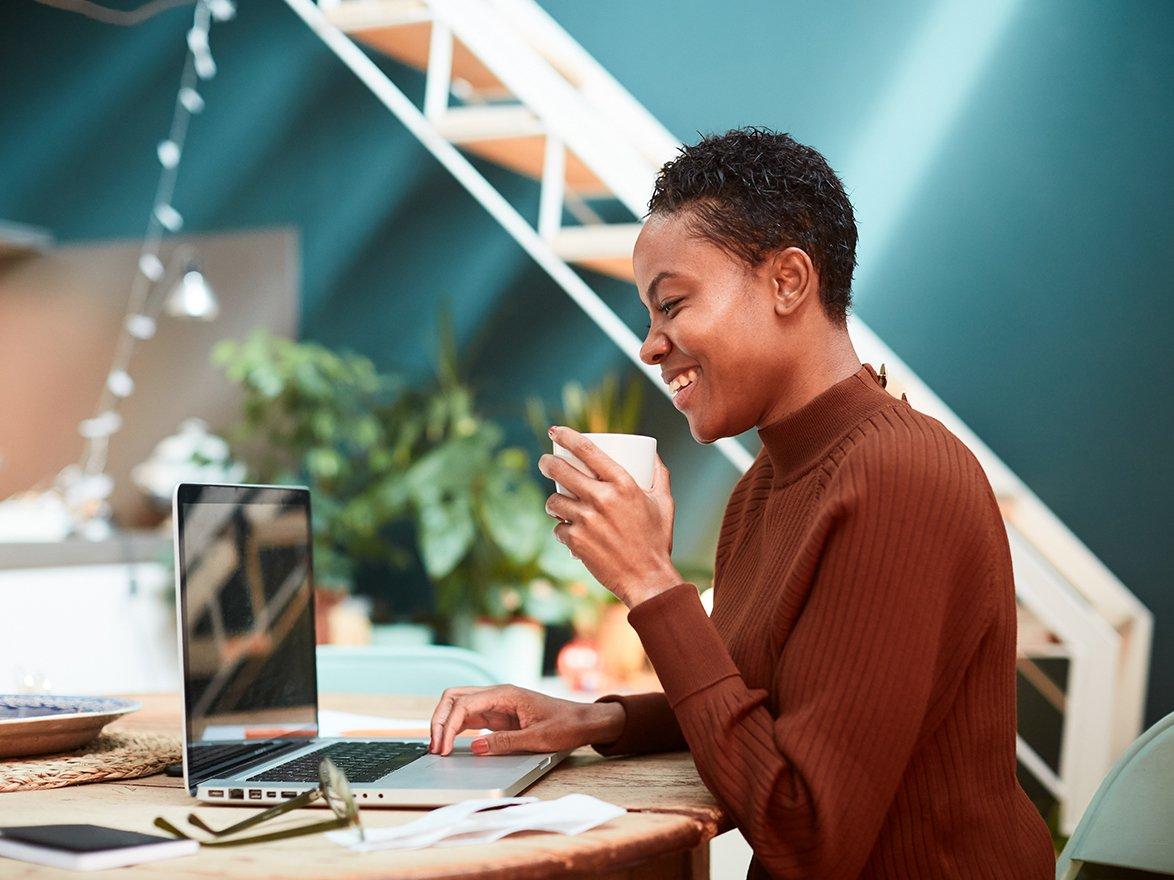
column 521, row 721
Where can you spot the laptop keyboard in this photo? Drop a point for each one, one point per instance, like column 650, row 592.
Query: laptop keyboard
column 360, row 761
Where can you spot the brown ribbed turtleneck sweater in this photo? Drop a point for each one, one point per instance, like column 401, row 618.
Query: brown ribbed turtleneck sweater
column 851, row 703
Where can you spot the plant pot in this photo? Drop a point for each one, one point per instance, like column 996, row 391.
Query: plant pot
column 402, row 635
column 325, row 600
column 512, row 650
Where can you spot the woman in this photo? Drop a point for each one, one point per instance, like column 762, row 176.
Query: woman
column 851, row 702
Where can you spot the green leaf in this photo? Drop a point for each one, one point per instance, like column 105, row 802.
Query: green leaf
column 547, row 604
column 446, row 533
column 324, row 463
column 555, row 560
column 453, row 466
column 512, row 511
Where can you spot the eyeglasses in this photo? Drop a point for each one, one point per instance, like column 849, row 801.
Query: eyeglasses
column 332, row 786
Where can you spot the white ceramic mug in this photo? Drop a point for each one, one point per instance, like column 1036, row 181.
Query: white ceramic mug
column 635, row 453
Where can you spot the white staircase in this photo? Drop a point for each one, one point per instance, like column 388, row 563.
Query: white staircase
column 507, row 84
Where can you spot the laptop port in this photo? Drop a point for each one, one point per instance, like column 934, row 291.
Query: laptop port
column 237, row 794
column 270, row 794
column 289, row 794
column 254, row 794
column 216, row 792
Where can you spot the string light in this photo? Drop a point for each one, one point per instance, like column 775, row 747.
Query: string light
column 120, row 383
column 151, row 266
column 88, row 481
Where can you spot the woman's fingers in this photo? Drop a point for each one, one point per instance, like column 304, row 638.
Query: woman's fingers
column 604, row 466
column 661, row 484
column 536, row 738
column 444, row 709
column 475, row 707
column 454, row 725
column 561, row 507
column 560, row 470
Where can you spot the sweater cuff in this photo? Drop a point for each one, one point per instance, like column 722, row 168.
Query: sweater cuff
column 649, row 726
column 680, row 640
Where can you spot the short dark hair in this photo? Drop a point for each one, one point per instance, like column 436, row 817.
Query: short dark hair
column 753, row 192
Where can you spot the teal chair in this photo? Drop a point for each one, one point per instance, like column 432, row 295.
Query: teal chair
column 1130, row 821
column 425, row 671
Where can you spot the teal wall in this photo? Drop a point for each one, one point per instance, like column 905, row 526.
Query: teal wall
column 1026, row 279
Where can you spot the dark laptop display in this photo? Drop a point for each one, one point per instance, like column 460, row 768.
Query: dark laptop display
column 246, row 628
column 247, row 612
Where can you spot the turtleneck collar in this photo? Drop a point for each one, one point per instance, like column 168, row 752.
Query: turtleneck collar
column 799, row 439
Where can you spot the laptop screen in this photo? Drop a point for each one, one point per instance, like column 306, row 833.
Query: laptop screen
column 246, row 612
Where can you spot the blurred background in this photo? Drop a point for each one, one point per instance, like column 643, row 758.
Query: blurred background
column 334, row 307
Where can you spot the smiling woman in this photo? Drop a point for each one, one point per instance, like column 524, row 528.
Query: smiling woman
column 851, row 701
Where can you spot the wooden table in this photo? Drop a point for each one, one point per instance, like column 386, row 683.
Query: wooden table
column 665, row 834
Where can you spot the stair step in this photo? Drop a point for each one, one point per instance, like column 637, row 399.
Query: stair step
column 460, row 125
column 401, row 29
column 513, row 137
column 606, row 248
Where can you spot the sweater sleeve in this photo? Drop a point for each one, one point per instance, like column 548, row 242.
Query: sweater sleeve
column 649, row 726
column 897, row 588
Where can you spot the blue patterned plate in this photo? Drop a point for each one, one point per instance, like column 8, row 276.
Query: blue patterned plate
column 40, row 724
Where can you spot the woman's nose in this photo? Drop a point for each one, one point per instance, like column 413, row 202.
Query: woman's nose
column 654, row 349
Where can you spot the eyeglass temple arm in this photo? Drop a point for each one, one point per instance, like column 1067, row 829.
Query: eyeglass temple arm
column 260, row 838
column 300, row 801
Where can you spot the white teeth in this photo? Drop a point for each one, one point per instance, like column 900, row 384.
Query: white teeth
column 683, row 381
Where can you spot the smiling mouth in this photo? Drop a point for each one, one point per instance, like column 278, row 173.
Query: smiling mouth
column 683, row 381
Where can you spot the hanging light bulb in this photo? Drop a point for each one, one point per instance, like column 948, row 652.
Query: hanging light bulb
column 171, row 219
column 151, row 266
column 191, row 100
column 120, row 383
column 222, row 10
column 168, row 152
column 192, row 297
column 140, row 326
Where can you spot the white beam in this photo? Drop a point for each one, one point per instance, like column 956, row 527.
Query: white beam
column 505, row 214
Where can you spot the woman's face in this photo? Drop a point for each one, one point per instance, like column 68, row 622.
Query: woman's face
column 714, row 331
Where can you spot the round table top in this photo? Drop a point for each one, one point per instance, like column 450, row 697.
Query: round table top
column 669, row 812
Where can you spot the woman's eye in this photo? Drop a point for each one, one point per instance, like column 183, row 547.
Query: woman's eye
column 665, row 308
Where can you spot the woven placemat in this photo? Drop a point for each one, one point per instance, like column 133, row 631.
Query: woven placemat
column 116, row 755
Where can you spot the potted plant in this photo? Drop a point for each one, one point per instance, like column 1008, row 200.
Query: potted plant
column 329, row 420
column 482, row 531
column 613, row 406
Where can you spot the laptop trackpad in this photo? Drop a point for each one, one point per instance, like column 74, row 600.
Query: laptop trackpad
column 462, row 769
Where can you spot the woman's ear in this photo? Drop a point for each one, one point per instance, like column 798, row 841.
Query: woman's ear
column 794, row 279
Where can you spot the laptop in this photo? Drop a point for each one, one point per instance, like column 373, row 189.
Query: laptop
column 244, row 576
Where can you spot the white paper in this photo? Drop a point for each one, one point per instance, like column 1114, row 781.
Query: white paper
column 473, row 822
column 331, row 722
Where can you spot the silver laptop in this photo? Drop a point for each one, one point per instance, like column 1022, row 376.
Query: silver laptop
column 246, row 633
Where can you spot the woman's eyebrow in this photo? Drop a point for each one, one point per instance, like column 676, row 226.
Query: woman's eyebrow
column 652, row 297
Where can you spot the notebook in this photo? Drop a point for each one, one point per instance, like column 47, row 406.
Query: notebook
column 88, row 847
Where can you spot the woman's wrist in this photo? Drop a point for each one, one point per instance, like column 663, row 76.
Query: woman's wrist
column 606, row 722
column 664, row 580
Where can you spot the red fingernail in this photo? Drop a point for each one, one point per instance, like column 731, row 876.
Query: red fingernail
column 550, row 431
column 480, row 746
